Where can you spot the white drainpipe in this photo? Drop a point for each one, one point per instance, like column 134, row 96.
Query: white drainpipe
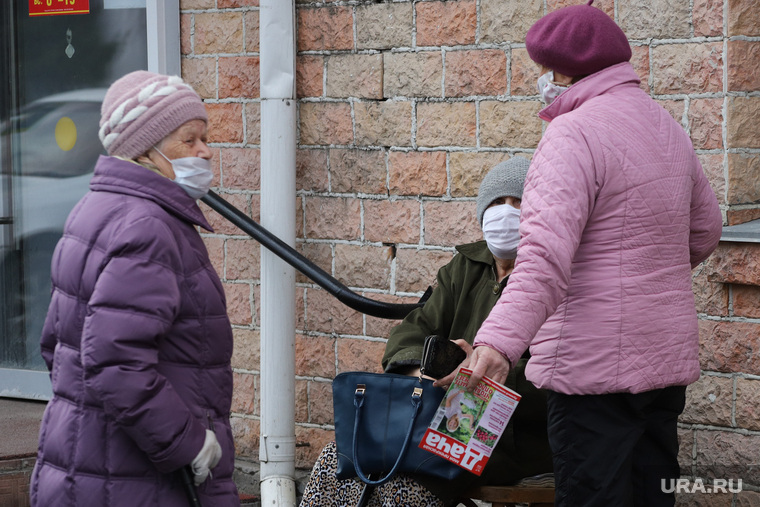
column 278, row 203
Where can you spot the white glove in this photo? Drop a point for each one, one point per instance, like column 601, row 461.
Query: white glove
column 208, row 458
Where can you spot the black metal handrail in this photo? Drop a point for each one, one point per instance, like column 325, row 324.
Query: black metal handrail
column 318, row 275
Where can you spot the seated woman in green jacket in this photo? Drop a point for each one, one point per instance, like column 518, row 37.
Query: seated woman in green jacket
column 467, row 288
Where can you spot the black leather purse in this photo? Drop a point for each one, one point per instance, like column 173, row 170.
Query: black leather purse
column 380, row 419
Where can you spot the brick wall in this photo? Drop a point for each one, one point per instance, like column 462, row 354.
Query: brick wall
column 403, row 106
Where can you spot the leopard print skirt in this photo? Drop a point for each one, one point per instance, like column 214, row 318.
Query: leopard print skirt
column 324, row 490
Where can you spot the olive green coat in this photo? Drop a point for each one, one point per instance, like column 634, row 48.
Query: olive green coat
column 465, row 293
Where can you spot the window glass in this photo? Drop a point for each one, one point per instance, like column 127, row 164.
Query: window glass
column 60, row 66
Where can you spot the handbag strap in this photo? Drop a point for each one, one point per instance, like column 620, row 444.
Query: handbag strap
column 358, row 402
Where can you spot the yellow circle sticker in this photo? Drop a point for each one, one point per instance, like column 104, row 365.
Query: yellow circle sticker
column 66, row 133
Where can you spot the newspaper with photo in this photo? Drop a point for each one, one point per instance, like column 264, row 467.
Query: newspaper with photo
column 467, row 425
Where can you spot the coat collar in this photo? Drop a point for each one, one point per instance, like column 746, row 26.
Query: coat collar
column 125, row 177
column 589, row 87
column 477, row 252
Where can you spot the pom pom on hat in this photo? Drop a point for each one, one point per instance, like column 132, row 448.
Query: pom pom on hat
column 506, row 179
column 141, row 108
column 577, row 40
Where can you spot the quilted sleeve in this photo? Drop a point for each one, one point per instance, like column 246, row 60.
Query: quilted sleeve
column 706, row 220
column 404, row 347
column 559, row 195
column 135, row 300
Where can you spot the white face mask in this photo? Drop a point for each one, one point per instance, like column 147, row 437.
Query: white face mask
column 193, row 174
column 548, row 89
column 501, row 230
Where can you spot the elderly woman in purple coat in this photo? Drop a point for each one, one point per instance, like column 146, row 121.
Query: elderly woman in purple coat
column 137, row 338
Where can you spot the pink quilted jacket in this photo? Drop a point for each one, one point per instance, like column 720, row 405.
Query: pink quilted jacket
column 616, row 212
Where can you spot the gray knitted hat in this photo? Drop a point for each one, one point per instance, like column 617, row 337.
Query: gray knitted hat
column 504, row 180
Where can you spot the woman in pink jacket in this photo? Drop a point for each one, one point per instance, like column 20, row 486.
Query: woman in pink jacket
column 615, row 214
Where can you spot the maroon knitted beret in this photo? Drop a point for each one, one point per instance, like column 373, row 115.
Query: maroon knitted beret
column 577, row 40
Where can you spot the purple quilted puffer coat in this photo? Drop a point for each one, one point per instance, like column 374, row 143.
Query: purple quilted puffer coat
column 138, row 344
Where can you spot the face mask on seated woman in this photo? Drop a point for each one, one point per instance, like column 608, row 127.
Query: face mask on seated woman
column 501, row 230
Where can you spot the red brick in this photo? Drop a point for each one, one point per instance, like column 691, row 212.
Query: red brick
column 468, row 169
column 380, row 328
column 332, row 218
column 325, row 314
column 446, row 23
column 253, row 122
column 311, row 170
column 730, row 347
column 711, row 298
column 325, row 123
column 251, row 31
column 736, row 217
column 185, row 34
column 244, row 399
column 246, row 354
column 383, row 123
column 243, row 259
column 309, row 75
column 200, row 73
column 384, row 25
column 416, row 269
column 245, row 432
column 241, row 168
column 741, row 63
column 320, row 403
column 743, row 18
column 302, row 401
column 640, row 62
column 325, row 28
column 392, row 221
column 417, row 173
column 450, row 223
column 525, row 73
column 746, row 301
column 510, row 124
column 239, row 304
column 743, row 175
column 232, row 4
column 309, row 443
column 360, row 355
column 748, row 403
column 225, row 123
column 688, row 68
column 363, row 266
column 215, row 247
column 446, row 124
column 705, row 120
column 218, row 32
column 315, row 355
column 676, row 109
column 476, row 72
column 319, row 254
column 709, row 401
column 727, row 454
column 714, row 168
column 742, row 114
column 221, row 225
column 239, row 77
column 734, row 263
column 707, row 17
column 361, row 171
column 355, row 75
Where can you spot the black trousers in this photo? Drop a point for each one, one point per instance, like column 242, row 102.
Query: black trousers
column 615, row 450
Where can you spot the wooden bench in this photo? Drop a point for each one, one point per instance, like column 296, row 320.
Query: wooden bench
column 509, row 496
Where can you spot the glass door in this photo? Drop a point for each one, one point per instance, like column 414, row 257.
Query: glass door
column 60, row 56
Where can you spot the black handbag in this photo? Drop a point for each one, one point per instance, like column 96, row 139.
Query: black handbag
column 380, row 419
